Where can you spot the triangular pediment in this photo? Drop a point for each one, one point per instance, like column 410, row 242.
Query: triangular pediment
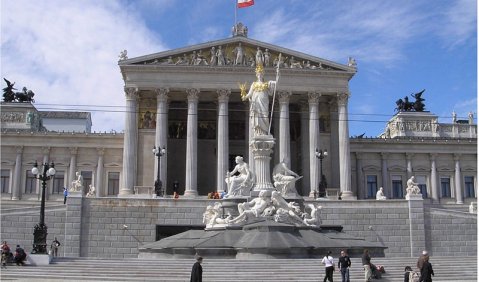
column 223, row 53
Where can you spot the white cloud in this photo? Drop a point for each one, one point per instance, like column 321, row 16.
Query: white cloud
column 67, row 52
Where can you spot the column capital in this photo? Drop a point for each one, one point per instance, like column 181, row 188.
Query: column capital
column 223, row 95
column 162, row 93
column 100, row 151
column 131, row 93
column 73, row 150
column 19, row 149
column 313, row 97
column 193, row 93
column 283, row 96
column 343, row 98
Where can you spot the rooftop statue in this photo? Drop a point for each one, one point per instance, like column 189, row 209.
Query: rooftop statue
column 10, row 96
column 416, row 106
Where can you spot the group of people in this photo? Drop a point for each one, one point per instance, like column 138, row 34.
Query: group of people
column 424, row 267
column 344, row 264
column 18, row 256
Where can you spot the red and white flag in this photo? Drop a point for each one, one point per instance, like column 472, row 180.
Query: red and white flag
column 245, row 3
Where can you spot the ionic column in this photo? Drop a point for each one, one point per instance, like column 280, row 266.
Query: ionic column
column 313, row 101
column 457, row 178
column 17, row 174
column 191, row 188
column 222, row 168
column 304, row 149
column 434, row 187
column 384, row 173
column 73, row 165
column 99, row 172
column 284, row 132
column 359, row 177
column 130, row 142
column 409, row 164
column 344, row 156
column 161, row 134
column 249, row 134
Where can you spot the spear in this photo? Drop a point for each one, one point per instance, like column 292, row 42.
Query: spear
column 274, row 92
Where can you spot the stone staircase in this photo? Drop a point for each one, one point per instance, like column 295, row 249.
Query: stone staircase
column 95, row 269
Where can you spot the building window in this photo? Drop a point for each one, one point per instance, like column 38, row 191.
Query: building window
column 468, row 185
column 113, row 183
column 398, row 192
column 58, row 182
column 445, row 187
column 421, row 183
column 87, row 178
column 30, row 183
column 372, row 186
column 5, row 180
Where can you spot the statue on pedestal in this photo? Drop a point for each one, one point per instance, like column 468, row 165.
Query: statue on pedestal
column 380, row 194
column 91, row 191
column 77, row 185
column 239, row 185
column 412, row 187
column 284, row 179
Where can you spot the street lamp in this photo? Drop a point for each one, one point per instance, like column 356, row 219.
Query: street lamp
column 158, row 153
column 40, row 230
column 320, row 154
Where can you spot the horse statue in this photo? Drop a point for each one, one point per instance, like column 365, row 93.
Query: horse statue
column 406, row 106
column 8, row 94
column 418, row 104
column 25, row 96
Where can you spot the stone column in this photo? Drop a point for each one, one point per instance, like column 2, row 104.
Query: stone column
column 313, row 101
column 334, row 150
column 344, row 155
column 250, row 134
column 359, row 177
column 384, row 173
column 130, row 142
column 99, row 173
column 262, row 146
column 304, row 149
column 223, row 138
column 409, row 164
column 434, row 187
column 161, row 135
column 458, row 180
column 73, row 166
column 284, row 132
column 191, row 188
column 17, row 175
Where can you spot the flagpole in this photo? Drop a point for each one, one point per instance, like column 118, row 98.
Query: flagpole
column 236, row 9
column 274, row 93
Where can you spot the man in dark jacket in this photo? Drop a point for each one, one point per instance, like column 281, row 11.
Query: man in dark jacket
column 426, row 271
column 343, row 264
column 20, row 255
column 197, row 271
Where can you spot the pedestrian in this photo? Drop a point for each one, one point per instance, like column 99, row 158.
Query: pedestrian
column 328, row 262
column 420, row 260
column 19, row 256
column 366, row 260
column 344, row 263
column 426, row 271
column 5, row 253
column 54, row 246
column 65, row 195
column 197, row 271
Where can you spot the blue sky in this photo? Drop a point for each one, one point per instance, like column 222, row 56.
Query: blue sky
column 67, row 51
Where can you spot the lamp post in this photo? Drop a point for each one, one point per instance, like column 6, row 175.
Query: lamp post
column 158, row 185
column 40, row 230
column 320, row 154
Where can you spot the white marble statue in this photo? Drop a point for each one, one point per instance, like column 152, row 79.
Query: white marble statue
column 91, row 191
column 258, row 95
column 380, row 194
column 212, row 216
column 252, row 209
column 286, row 212
column 239, row 185
column 123, row 55
column 412, row 188
column 284, row 179
column 314, row 217
column 473, row 207
column 77, row 185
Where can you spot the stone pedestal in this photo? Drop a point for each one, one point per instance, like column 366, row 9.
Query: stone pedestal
column 262, row 147
column 34, row 259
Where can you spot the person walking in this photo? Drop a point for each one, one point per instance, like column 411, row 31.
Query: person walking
column 344, row 263
column 65, row 195
column 54, row 247
column 426, row 271
column 197, row 271
column 328, row 262
column 366, row 260
column 420, row 260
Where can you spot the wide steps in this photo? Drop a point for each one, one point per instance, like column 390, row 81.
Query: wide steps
column 92, row 269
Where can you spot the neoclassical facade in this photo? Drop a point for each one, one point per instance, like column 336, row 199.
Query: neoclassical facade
column 188, row 101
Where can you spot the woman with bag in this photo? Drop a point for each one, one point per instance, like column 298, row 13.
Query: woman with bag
column 328, row 262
